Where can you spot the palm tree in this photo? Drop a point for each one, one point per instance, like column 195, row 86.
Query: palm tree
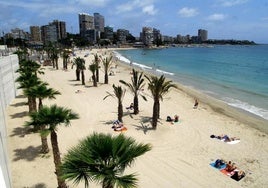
column 158, row 87
column 51, row 117
column 65, row 56
column 103, row 159
column 107, row 63
column 28, row 78
column 55, row 57
column 119, row 93
column 137, row 84
column 41, row 92
column 97, row 62
column 93, row 68
column 80, row 67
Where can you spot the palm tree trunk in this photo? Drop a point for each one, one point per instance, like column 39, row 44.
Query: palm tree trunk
column 136, row 104
column 106, row 78
column 57, row 158
column 53, row 63
column 120, row 111
column 57, row 64
column 155, row 114
column 40, row 105
column 83, row 77
column 77, row 74
column 45, row 148
column 94, row 80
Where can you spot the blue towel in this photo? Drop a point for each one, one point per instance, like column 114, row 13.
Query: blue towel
column 220, row 168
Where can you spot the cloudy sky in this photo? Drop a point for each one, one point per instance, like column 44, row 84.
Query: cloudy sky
column 224, row 19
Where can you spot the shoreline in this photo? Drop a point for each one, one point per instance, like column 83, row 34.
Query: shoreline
column 217, row 105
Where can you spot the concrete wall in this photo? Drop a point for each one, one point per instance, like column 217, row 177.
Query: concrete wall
column 8, row 91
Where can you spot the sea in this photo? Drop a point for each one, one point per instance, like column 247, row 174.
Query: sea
column 234, row 74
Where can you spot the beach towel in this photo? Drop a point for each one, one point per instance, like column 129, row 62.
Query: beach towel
column 223, row 166
column 120, row 130
column 233, row 142
column 227, row 172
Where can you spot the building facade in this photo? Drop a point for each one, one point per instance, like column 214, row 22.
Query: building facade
column 98, row 22
column 35, row 33
column 53, row 32
column 147, row 36
column 60, row 29
column 86, row 22
column 122, row 35
column 109, row 33
column 202, row 35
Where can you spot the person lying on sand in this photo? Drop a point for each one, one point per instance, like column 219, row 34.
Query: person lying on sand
column 219, row 163
column 230, row 166
column 225, row 138
column 238, row 175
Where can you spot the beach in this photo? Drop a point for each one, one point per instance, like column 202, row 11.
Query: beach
column 181, row 152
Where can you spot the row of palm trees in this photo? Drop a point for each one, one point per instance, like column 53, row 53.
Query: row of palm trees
column 79, row 62
column 158, row 86
column 99, row 157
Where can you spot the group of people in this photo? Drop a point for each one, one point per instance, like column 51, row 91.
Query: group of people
column 230, row 168
column 118, row 126
column 175, row 119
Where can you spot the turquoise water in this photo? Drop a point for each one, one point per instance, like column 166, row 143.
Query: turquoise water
column 237, row 75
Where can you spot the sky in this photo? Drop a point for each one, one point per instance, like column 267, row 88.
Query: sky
column 223, row 19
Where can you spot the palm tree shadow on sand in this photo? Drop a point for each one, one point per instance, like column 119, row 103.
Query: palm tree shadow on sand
column 21, row 131
column 28, row 154
column 39, row 185
column 19, row 104
column 145, row 124
column 19, row 114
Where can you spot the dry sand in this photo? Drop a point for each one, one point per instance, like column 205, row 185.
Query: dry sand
column 181, row 152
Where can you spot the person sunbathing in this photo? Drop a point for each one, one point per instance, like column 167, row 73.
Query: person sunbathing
column 226, row 138
column 120, row 127
column 238, row 175
column 219, row 163
column 230, row 166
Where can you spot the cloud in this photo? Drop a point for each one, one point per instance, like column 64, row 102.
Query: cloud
column 149, row 10
column 229, row 3
column 188, row 12
column 217, row 17
column 146, row 6
column 95, row 3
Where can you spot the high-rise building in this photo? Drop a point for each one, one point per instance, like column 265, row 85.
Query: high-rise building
column 48, row 33
column 122, row 35
column 109, row 33
column 147, row 36
column 35, row 33
column 86, row 22
column 202, row 35
column 53, row 32
column 98, row 22
column 60, row 29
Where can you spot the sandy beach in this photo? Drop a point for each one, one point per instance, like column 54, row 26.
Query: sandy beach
column 181, row 152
